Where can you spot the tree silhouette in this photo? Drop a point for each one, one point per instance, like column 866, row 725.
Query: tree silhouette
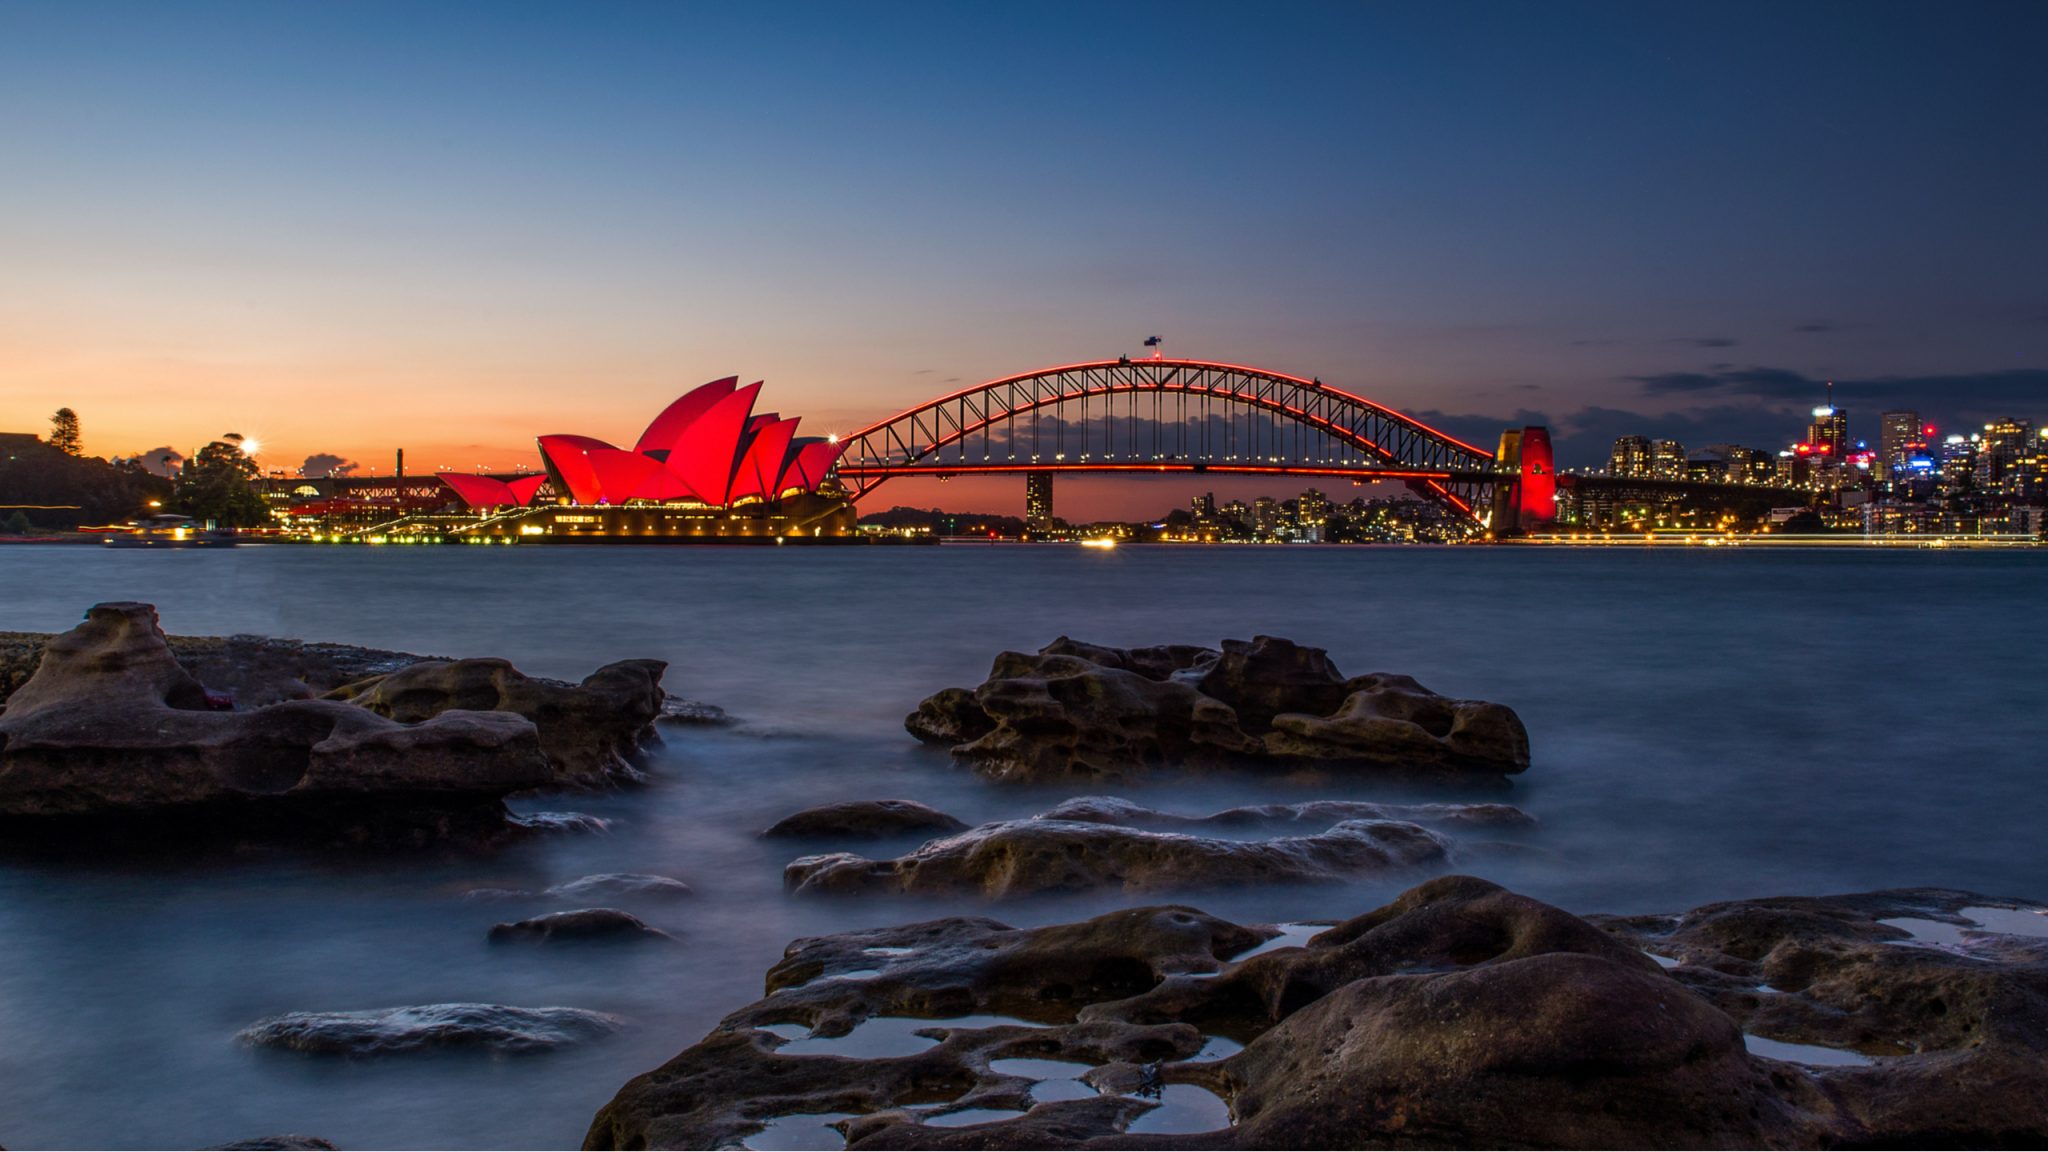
column 216, row 485
column 64, row 433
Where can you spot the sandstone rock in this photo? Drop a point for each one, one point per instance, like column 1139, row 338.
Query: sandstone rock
column 259, row 670
column 1077, row 710
column 1958, row 1031
column 1319, row 813
column 384, row 1031
column 1461, row 1015
column 865, row 820
column 111, row 727
column 681, row 712
column 621, row 884
column 591, row 732
column 580, row 924
column 1026, row 857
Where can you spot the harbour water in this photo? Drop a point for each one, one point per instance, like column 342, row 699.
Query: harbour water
column 1705, row 724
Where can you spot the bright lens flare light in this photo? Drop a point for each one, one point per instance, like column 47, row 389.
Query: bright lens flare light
column 1099, row 542
column 251, row 446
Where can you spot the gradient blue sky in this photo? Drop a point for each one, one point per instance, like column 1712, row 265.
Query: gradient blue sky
column 344, row 227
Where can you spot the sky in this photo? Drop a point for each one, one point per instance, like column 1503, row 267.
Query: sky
column 340, row 229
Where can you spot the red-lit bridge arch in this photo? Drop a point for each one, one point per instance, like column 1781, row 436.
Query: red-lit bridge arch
column 1167, row 416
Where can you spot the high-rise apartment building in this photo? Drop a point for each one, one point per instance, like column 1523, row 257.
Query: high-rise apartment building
column 1667, row 460
column 1038, row 499
column 2005, row 459
column 1630, row 458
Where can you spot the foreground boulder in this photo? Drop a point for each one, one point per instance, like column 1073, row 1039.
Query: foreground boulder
column 385, row 1031
column 114, row 728
column 591, row 732
column 1461, row 1015
column 1017, row 858
column 1082, row 710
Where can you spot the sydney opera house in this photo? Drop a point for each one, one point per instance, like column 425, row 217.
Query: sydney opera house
column 708, row 468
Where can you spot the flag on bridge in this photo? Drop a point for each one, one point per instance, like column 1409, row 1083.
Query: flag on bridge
column 1152, row 341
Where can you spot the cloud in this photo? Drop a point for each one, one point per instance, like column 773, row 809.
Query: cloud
column 322, row 464
column 1706, row 341
column 2022, row 391
column 1595, row 343
column 160, row 461
column 1816, row 327
column 1763, row 407
column 1771, row 383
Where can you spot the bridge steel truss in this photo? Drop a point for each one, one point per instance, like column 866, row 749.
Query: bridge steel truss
column 1167, row 416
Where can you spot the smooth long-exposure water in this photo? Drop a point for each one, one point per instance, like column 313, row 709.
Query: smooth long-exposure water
column 1705, row 724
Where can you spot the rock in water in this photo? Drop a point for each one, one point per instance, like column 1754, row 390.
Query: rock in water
column 591, row 732
column 1083, row 710
column 112, row 729
column 1461, row 1015
column 1319, row 813
column 581, row 924
column 287, row 1142
column 384, row 1031
column 621, row 884
column 864, row 820
column 1026, row 857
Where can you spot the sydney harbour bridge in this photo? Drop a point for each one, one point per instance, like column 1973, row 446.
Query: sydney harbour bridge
column 1172, row 415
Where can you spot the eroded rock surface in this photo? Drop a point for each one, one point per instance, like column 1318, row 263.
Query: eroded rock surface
column 209, row 739
column 1461, row 1015
column 385, row 1031
column 578, row 924
column 864, row 820
column 1016, row 858
column 591, row 732
column 1082, row 710
column 1316, row 813
column 112, row 727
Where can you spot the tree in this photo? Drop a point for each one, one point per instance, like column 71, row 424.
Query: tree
column 64, row 433
column 217, row 484
column 18, row 524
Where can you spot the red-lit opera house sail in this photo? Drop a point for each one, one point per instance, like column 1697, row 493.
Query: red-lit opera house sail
column 680, row 414
column 483, row 492
column 708, row 446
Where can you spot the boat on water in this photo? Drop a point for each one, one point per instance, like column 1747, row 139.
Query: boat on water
column 169, row 530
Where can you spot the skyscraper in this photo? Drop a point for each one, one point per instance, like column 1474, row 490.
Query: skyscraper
column 1899, row 439
column 1038, row 499
column 1829, row 432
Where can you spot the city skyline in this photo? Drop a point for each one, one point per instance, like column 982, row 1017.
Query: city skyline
column 1598, row 218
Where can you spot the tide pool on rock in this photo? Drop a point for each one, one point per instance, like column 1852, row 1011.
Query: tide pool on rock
column 1472, row 1005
